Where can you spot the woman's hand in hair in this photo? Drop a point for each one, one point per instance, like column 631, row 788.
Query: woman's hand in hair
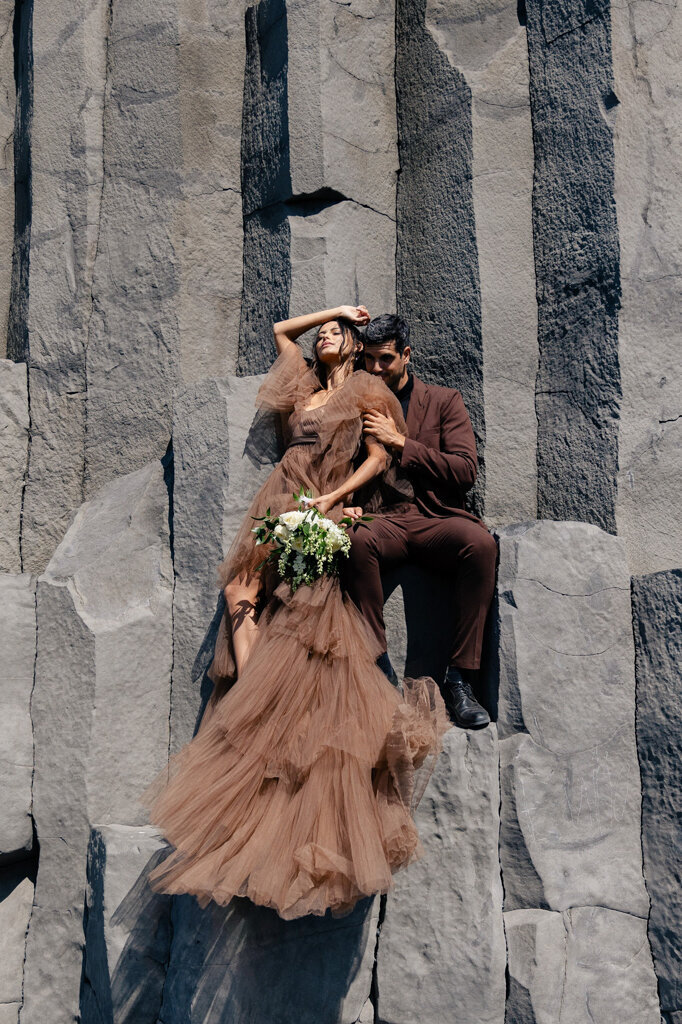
column 356, row 314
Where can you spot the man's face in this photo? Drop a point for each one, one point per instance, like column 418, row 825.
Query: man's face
column 384, row 361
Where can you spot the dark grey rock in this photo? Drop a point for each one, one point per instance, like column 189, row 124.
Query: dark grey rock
column 437, row 278
column 244, row 963
column 657, row 614
column 575, row 234
column 14, row 436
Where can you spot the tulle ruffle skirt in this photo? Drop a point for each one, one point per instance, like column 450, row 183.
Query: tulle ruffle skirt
column 297, row 790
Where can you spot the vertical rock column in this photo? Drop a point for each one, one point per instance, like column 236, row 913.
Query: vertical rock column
column 485, row 42
column 100, row 713
column 575, row 902
column 7, row 118
column 319, row 164
column 577, row 260
column 437, row 275
column 14, row 437
column 657, row 612
column 647, row 40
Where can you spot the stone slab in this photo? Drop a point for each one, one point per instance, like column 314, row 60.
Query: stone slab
column 17, row 658
column 100, row 710
column 127, row 928
column 657, row 613
column 16, row 901
column 570, row 818
column 441, row 953
column 14, row 437
column 244, row 963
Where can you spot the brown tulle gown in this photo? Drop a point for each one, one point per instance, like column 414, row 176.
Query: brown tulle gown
column 298, row 788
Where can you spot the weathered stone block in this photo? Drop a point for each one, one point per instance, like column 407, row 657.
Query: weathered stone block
column 17, row 658
column 100, row 710
column 16, row 900
column 657, row 613
column 570, row 820
column 441, row 953
column 127, row 928
column 242, row 962
column 14, row 427
column 7, row 113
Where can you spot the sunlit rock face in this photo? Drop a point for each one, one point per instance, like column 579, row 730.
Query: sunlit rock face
column 177, row 176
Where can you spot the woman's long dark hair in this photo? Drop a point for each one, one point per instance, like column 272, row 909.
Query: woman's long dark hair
column 351, row 349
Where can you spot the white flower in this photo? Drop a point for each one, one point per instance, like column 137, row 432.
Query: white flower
column 281, row 531
column 336, row 537
column 292, row 519
column 297, row 544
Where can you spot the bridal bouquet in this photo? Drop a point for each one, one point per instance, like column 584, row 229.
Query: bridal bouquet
column 306, row 545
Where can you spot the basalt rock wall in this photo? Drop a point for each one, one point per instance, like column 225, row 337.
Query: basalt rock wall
column 176, row 176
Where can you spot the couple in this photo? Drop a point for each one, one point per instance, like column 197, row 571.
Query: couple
column 297, row 790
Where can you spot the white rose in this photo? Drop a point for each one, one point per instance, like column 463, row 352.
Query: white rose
column 297, row 544
column 292, row 519
column 281, row 531
column 337, row 538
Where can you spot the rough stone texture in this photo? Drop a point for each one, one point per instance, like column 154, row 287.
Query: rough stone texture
column 16, row 899
column 68, row 67
column 17, row 658
column 657, row 613
column 441, row 953
column 14, row 434
column 437, row 276
column 587, row 964
column 126, row 929
column 318, row 174
column 213, row 484
column 570, row 830
column 244, row 963
column 133, row 330
column 647, row 48
column 576, row 260
column 7, row 115
column 484, row 41
column 100, row 710
column 208, row 230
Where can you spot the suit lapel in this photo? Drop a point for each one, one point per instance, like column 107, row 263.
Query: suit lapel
column 415, row 408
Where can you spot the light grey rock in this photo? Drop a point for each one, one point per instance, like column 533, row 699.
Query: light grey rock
column 214, row 482
column 127, row 928
column 577, row 261
column 589, row 965
column 242, row 962
column 100, row 710
column 68, row 47
column 570, row 818
column 7, row 115
column 486, row 43
column 437, row 274
column 657, row 613
column 14, row 428
column 133, row 329
column 441, row 953
column 536, row 956
column 17, row 658
column 648, row 149
column 207, row 235
column 16, row 899
column 298, row 259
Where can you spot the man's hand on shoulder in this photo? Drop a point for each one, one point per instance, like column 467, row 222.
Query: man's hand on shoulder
column 383, row 428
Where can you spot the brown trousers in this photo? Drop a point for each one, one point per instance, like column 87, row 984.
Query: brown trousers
column 457, row 548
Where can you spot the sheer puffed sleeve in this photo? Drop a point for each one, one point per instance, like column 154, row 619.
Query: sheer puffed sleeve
column 288, row 383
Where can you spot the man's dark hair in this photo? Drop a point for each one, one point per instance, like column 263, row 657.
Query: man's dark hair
column 388, row 327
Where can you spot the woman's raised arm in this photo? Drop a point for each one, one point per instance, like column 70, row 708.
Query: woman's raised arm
column 286, row 331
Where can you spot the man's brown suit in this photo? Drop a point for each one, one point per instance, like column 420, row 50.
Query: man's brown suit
column 439, row 459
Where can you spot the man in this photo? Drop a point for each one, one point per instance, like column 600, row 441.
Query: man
column 439, row 459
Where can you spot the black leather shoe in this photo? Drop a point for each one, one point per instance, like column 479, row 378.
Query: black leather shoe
column 384, row 663
column 462, row 706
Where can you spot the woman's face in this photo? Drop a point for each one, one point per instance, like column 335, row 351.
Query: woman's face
column 331, row 345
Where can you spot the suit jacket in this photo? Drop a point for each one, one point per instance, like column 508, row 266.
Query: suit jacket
column 439, row 457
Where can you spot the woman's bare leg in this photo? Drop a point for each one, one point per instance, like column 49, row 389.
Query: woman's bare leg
column 241, row 595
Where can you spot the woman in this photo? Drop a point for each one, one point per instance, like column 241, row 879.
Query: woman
column 297, row 789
